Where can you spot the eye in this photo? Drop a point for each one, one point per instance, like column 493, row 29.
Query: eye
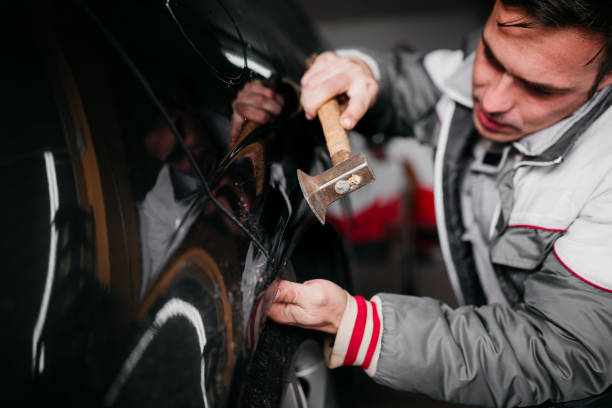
column 539, row 91
column 491, row 59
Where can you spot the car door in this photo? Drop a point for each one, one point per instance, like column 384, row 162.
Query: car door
column 178, row 229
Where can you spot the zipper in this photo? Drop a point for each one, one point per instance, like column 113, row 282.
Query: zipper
column 447, row 116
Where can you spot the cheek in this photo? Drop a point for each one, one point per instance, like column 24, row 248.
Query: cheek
column 538, row 114
column 483, row 74
column 477, row 73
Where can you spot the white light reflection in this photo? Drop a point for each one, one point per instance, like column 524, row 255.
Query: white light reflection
column 173, row 308
column 53, row 206
column 238, row 61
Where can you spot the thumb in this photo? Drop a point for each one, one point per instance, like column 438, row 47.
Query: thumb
column 288, row 292
column 361, row 96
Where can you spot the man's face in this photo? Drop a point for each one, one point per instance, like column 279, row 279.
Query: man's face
column 162, row 144
column 526, row 79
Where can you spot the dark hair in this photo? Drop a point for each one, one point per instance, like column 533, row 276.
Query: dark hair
column 592, row 15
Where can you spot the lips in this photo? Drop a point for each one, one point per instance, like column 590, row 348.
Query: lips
column 489, row 123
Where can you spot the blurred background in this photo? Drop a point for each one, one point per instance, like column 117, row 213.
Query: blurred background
column 390, row 234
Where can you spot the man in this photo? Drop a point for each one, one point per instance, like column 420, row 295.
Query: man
column 523, row 136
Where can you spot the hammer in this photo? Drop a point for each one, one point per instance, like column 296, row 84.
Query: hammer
column 347, row 174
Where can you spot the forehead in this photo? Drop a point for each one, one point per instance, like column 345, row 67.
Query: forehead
column 558, row 56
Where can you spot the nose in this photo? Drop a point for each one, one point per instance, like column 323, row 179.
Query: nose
column 498, row 97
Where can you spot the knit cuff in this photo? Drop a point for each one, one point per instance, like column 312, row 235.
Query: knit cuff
column 359, row 336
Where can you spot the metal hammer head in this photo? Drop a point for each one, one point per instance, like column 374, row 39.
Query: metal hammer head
column 334, row 183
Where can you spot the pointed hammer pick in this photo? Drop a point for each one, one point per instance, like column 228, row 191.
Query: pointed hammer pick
column 347, row 174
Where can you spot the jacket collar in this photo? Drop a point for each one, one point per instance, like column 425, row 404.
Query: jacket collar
column 458, row 86
column 548, row 144
column 547, row 139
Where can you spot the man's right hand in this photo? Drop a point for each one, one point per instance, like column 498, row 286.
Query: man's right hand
column 332, row 75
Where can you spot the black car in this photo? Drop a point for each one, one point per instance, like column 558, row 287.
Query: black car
column 142, row 241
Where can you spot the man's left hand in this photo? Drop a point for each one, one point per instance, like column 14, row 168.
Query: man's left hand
column 316, row 304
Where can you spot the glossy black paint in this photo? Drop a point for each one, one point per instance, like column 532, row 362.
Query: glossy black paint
column 126, row 264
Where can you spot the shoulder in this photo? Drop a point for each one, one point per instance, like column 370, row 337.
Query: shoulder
column 585, row 247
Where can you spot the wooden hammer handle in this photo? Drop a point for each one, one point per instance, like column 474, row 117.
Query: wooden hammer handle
column 335, row 135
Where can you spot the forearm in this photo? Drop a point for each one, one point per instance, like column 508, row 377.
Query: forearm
column 554, row 347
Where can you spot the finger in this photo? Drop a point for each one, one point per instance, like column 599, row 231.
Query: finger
column 237, row 123
column 271, row 105
column 312, row 98
column 279, row 99
column 361, row 97
column 256, row 87
column 322, row 61
column 326, row 72
column 333, row 80
column 281, row 313
column 288, row 292
column 253, row 113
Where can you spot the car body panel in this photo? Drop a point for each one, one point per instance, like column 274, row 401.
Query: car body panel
column 147, row 279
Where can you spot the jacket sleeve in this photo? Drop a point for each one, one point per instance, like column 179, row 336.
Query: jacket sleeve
column 407, row 95
column 553, row 347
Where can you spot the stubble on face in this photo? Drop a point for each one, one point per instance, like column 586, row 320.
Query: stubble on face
column 526, row 79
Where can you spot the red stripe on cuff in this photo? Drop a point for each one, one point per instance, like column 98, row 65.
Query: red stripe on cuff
column 358, row 329
column 374, row 339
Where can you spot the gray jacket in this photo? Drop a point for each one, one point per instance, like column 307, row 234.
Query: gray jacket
column 550, row 250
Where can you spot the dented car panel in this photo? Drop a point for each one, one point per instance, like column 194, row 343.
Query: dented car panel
column 153, row 237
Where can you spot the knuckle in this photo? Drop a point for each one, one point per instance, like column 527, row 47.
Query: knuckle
column 274, row 108
column 258, row 99
column 370, row 83
column 333, row 86
column 241, row 96
column 326, row 56
column 307, row 104
column 266, row 91
column 264, row 116
column 258, row 115
column 319, row 298
column 363, row 106
column 238, row 107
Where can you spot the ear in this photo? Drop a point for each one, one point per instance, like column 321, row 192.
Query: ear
column 605, row 81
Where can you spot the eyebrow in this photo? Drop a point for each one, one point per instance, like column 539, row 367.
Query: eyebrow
column 544, row 88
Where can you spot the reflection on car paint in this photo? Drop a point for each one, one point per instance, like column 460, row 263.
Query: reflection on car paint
column 173, row 309
column 38, row 347
column 165, row 233
column 189, row 16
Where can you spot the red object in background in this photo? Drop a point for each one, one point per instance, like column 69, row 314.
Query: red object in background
column 401, row 199
column 423, row 211
column 372, row 223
